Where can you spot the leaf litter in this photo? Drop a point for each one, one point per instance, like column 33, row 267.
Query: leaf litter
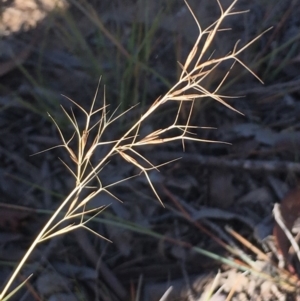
column 238, row 196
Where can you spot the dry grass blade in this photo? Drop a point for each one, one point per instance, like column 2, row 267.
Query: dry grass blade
column 166, row 294
column 87, row 170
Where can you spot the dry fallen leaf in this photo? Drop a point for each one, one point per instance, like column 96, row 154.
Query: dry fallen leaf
column 290, row 212
column 221, row 189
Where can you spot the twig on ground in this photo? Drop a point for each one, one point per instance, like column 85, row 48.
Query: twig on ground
column 108, row 276
column 252, row 165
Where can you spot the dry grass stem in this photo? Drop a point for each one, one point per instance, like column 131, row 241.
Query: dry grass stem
column 88, row 139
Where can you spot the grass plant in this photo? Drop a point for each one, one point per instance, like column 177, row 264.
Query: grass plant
column 123, row 66
column 129, row 63
column 87, row 170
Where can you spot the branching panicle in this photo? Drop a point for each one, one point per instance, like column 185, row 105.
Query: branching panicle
column 188, row 89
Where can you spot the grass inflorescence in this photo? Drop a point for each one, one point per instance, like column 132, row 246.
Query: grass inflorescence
column 82, row 146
